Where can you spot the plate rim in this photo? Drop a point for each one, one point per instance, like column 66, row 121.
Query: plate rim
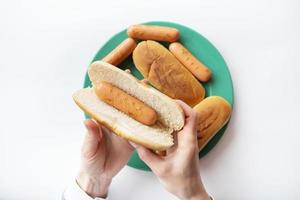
column 217, row 137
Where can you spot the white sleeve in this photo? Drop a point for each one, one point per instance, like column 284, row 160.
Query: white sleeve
column 74, row 192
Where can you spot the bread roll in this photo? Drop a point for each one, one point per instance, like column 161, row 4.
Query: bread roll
column 166, row 73
column 213, row 113
column 156, row 137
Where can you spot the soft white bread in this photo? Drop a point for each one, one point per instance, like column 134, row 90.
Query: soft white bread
column 156, row 137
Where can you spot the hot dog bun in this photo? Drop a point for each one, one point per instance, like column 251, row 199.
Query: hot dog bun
column 166, row 73
column 213, row 113
column 156, row 137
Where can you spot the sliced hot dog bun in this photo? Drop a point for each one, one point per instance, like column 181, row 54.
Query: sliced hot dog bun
column 156, row 137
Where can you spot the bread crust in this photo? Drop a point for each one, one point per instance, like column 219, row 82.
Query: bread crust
column 102, row 121
column 156, row 137
column 161, row 103
column 166, row 73
column 213, row 113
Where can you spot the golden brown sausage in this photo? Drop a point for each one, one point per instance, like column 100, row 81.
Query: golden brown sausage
column 121, row 52
column 159, row 33
column 126, row 103
column 198, row 69
column 166, row 73
column 213, row 113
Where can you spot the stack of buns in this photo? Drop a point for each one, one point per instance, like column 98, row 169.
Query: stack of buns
column 143, row 114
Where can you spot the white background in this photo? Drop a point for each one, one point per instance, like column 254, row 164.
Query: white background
column 45, row 47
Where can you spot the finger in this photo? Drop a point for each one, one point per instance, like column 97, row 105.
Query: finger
column 93, row 128
column 92, row 139
column 198, row 125
column 188, row 111
column 105, row 131
column 144, row 81
column 188, row 135
column 150, row 158
column 128, row 71
column 187, row 138
column 173, row 148
column 111, row 137
column 133, row 145
column 161, row 153
column 190, row 115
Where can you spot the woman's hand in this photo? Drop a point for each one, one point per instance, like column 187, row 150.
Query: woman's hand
column 179, row 171
column 103, row 155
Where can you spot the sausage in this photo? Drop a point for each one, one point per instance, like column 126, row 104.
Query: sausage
column 126, row 103
column 121, row 52
column 198, row 69
column 159, row 33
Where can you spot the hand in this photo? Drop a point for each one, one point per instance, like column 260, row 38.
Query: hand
column 103, row 155
column 179, row 171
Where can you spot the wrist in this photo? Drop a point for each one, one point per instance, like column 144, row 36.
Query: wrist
column 203, row 196
column 93, row 186
column 195, row 191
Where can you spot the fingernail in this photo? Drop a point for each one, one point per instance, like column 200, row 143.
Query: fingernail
column 133, row 144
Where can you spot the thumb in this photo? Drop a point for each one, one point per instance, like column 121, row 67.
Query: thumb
column 150, row 158
column 91, row 140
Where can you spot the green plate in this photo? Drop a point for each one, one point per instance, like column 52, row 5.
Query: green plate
column 220, row 84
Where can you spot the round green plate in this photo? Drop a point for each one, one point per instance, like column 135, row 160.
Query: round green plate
column 220, row 84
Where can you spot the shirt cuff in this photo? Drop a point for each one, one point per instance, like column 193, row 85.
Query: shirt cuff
column 74, row 192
